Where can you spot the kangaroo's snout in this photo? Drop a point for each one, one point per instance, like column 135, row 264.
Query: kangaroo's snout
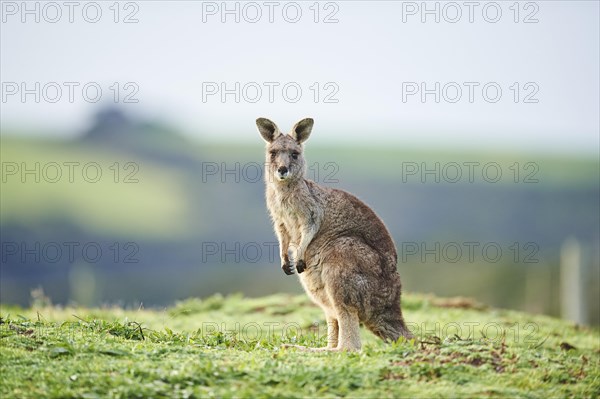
column 282, row 172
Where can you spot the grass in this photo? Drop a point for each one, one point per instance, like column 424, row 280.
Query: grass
column 231, row 347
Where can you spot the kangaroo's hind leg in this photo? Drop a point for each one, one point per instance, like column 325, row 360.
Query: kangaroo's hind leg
column 349, row 336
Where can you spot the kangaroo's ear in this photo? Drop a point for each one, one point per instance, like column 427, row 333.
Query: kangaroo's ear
column 268, row 129
column 302, row 130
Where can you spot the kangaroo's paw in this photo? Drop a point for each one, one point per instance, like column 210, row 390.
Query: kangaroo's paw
column 288, row 268
column 301, row 266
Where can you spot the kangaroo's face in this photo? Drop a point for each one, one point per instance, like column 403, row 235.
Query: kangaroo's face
column 284, row 157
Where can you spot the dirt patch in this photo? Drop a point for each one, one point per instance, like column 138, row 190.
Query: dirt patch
column 468, row 353
column 458, row 303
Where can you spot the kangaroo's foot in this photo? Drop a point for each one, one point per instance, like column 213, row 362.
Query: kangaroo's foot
column 324, row 349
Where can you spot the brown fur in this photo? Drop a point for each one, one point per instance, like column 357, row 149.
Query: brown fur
column 344, row 255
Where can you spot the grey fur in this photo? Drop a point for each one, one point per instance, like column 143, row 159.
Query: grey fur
column 343, row 253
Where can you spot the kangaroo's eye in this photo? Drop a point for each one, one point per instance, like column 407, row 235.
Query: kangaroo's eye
column 273, row 153
column 295, row 155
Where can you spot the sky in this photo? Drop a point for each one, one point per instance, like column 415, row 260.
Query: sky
column 492, row 75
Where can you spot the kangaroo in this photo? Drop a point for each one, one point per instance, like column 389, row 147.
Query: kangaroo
column 343, row 253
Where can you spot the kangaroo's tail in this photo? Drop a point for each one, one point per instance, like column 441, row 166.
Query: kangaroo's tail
column 390, row 328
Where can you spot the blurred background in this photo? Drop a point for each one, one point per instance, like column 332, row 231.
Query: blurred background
column 132, row 170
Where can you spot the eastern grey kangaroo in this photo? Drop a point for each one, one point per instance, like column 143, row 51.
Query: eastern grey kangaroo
column 344, row 255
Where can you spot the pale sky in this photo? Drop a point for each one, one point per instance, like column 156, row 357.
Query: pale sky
column 375, row 61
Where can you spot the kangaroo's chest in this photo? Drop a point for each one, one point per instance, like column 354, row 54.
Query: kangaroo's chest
column 290, row 215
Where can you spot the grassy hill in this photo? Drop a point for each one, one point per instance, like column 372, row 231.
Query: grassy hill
column 168, row 197
column 149, row 194
column 231, row 347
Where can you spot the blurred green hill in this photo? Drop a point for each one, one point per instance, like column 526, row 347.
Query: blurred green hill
column 176, row 218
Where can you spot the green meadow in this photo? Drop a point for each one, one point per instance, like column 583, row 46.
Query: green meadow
column 232, row 347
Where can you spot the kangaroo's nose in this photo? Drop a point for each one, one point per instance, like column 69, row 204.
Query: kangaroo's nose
column 282, row 170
